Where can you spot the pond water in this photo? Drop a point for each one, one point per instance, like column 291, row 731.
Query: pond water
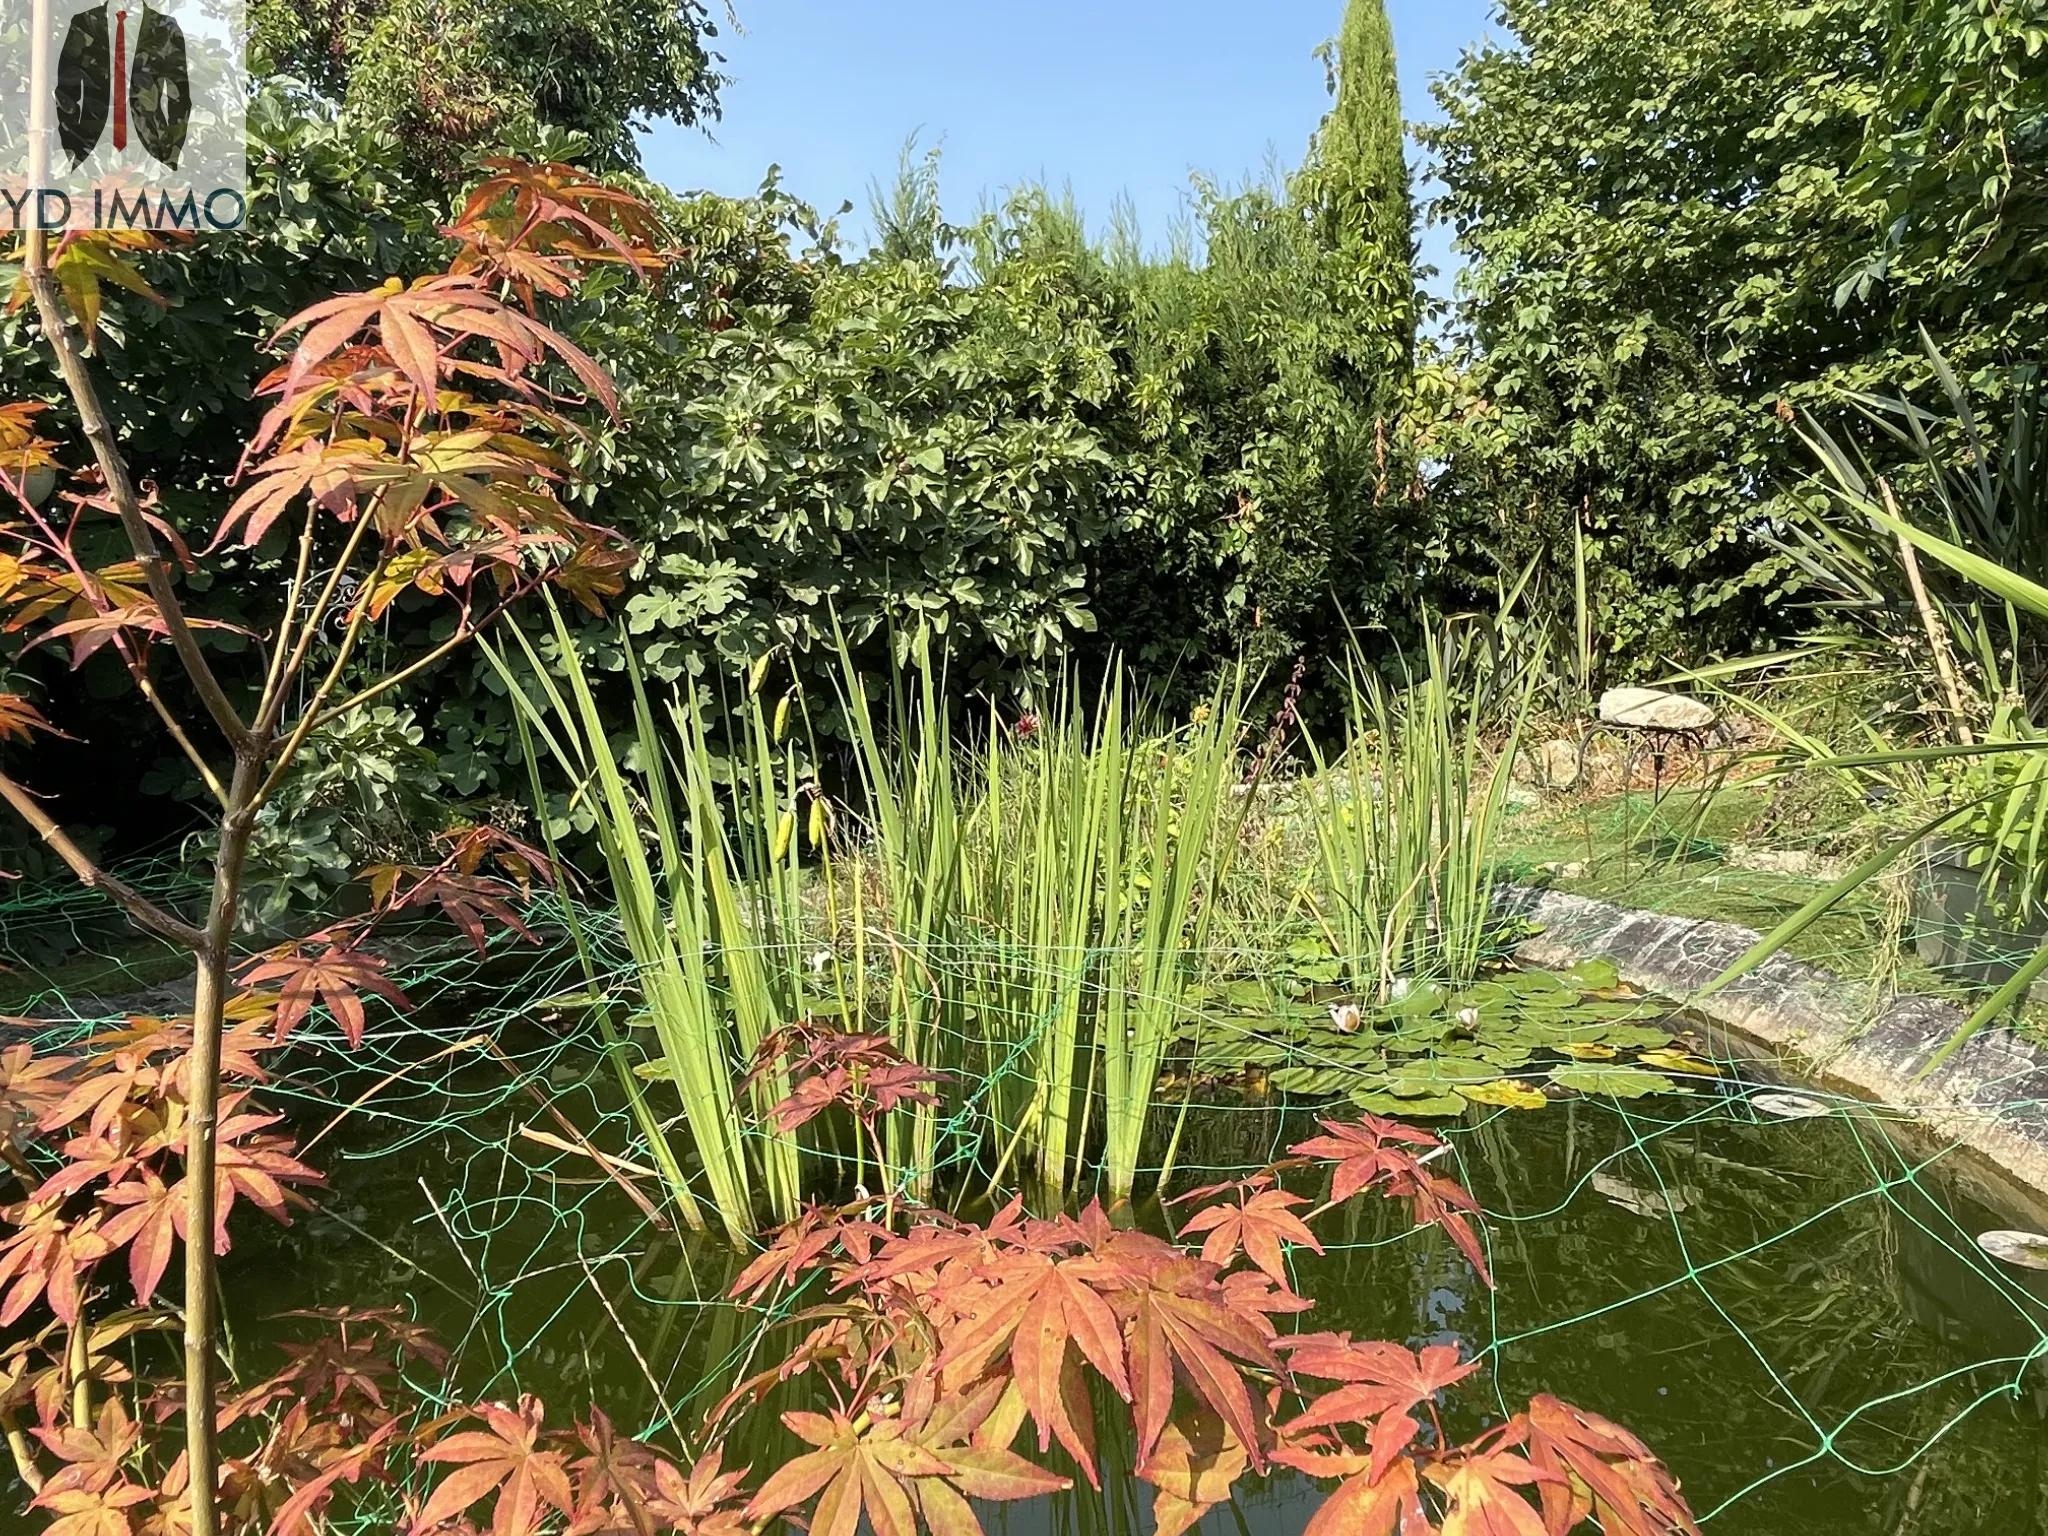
column 1793, row 1313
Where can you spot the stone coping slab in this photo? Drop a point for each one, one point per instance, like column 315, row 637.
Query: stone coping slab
column 1990, row 1097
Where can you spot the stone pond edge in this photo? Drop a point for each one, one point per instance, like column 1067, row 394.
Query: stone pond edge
column 1991, row 1097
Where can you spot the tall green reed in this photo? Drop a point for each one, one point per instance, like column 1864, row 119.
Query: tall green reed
column 1027, row 914
column 908, row 778
column 1051, row 799
column 702, row 932
column 1164, row 861
column 1407, row 816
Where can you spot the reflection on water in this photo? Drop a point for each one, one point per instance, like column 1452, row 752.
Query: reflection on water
column 1792, row 1313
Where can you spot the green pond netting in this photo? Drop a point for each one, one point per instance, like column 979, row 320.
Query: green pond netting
column 1791, row 1308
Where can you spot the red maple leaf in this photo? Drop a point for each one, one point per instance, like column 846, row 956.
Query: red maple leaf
column 1035, row 1306
column 1382, row 1385
column 336, row 976
column 1480, row 1490
column 1183, row 1325
column 47, row 1256
column 923, row 1459
column 466, row 900
column 1365, row 1151
column 1256, row 1227
column 1631, row 1491
column 18, row 718
column 506, row 1458
column 1191, row 1470
column 1362, row 1505
column 1374, row 1152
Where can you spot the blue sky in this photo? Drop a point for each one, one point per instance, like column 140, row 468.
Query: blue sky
column 1109, row 97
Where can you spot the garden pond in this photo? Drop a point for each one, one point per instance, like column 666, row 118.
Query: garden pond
column 1792, row 1312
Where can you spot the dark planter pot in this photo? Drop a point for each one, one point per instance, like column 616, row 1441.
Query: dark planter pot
column 1958, row 928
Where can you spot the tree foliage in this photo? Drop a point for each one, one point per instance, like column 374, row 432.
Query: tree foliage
column 455, row 78
column 1356, row 178
column 1030, row 442
column 1687, row 222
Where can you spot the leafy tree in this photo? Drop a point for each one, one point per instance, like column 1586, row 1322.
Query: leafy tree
column 422, row 460
column 883, row 440
column 1271, row 373
column 456, row 78
column 1686, row 222
column 335, row 209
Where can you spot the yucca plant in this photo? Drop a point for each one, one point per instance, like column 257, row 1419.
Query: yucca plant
column 1983, row 780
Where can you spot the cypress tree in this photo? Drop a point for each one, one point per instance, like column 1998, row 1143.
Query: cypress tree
column 1356, row 181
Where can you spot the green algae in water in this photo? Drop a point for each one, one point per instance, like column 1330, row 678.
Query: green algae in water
column 1793, row 1314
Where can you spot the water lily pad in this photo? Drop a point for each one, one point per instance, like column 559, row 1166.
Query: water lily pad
column 2029, row 1250
column 1317, row 1082
column 1506, row 1093
column 1561, row 1034
column 1421, row 999
column 1480, row 993
column 1543, row 988
column 1375, row 1103
column 1613, row 1082
column 1441, row 1071
column 1614, row 1010
column 1790, row 1106
column 1594, row 975
column 1503, row 1053
column 1589, row 1050
column 1636, row 1037
column 1668, row 1060
column 1417, row 1036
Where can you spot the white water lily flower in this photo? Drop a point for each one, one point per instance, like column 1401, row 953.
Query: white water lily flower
column 1346, row 1017
column 1469, row 1017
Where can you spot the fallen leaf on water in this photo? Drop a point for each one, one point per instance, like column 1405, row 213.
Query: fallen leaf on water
column 1506, row 1093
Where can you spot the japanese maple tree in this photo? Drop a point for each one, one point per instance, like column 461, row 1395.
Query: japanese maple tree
column 415, row 439
column 1017, row 1322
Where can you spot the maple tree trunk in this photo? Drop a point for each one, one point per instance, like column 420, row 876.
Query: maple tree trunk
column 211, row 948
column 209, row 1004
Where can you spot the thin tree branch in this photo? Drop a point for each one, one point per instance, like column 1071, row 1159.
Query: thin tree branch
column 138, row 670
column 307, row 717
column 99, row 431
column 134, row 657
column 273, row 703
column 463, row 635
column 133, row 902
column 275, row 674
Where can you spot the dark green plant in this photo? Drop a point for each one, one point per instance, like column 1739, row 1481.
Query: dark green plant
column 457, row 78
column 364, row 790
column 1684, row 223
